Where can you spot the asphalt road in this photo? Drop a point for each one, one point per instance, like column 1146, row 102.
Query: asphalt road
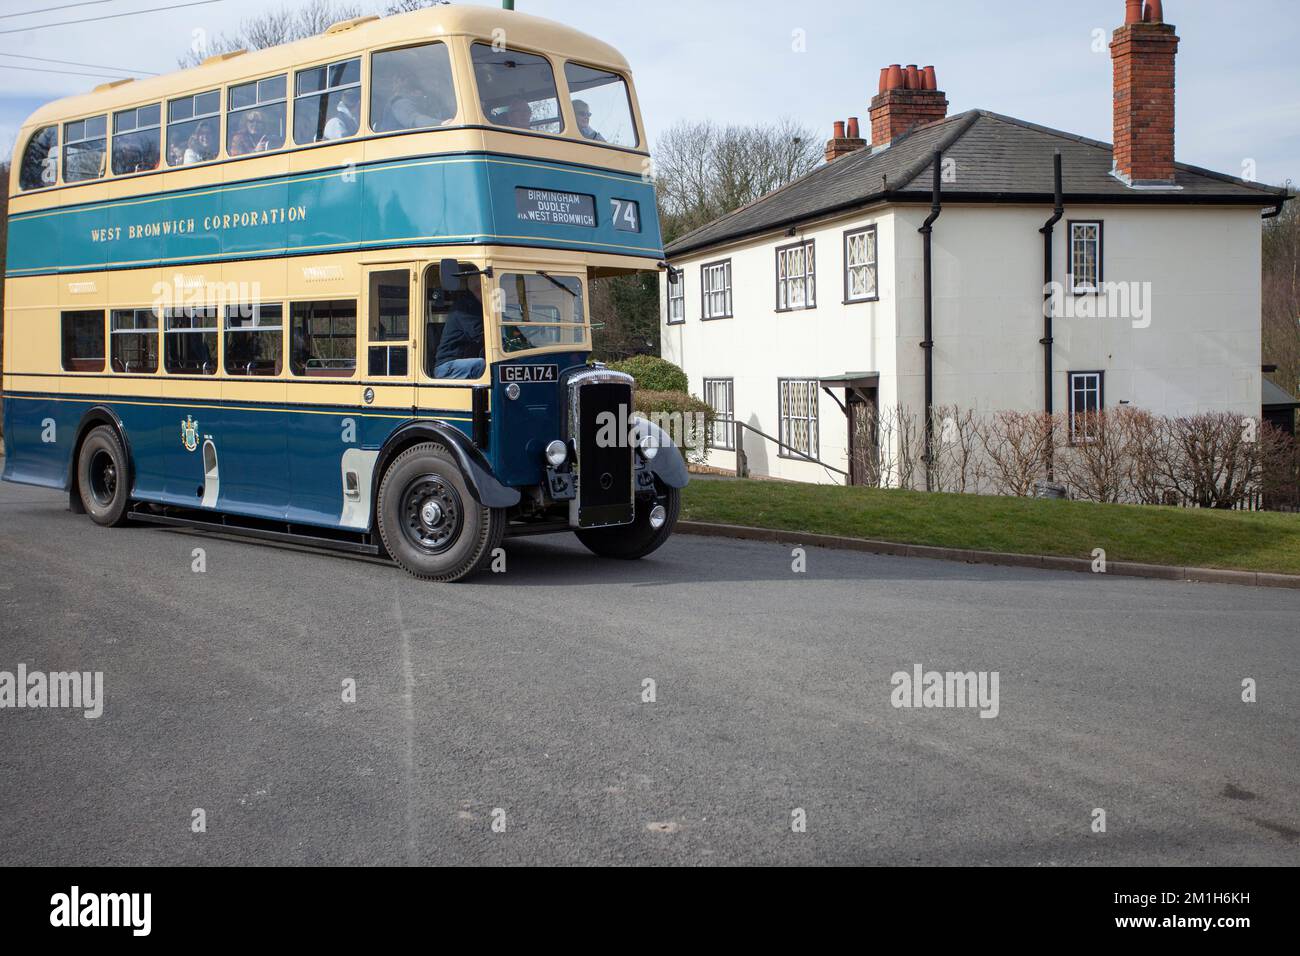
column 522, row 692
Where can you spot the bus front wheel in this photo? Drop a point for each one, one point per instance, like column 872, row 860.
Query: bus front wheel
column 428, row 519
column 102, row 476
column 642, row 536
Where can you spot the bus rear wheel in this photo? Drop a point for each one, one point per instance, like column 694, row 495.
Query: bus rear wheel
column 428, row 519
column 102, row 476
column 641, row 537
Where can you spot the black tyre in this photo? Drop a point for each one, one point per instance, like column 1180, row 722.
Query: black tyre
column 102, row 476
column 428, row 519
column 635, row 540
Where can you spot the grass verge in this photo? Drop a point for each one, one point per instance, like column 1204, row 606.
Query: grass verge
column 1260, row 541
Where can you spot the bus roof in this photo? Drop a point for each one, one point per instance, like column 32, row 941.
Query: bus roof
column 520, row 30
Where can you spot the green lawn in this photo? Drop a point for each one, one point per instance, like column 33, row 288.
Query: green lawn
column 1153, row 535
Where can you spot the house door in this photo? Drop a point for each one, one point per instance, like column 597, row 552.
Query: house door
column 864, row 457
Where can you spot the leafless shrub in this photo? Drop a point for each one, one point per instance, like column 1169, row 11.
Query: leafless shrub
column 1016, row 446
column 954, row 447
column 1096, row 465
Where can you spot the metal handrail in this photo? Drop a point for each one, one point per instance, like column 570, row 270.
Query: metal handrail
column 742, row 460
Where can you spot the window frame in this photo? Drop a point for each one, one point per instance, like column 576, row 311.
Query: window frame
column 191, row 312
column 113, row 315
column 874, row 265
column 58, row 158
column 362, row 106
column 65, row 358
column 68, row 142
column 562, row 132
column 112, row 151
column 679, row 297
column 1100, row 374
column 813, row 420
column 168, row 123
column 231, row 111
column 355, row 302
column 809, row 276
column 369, row 77
column 1075, row 288
column 627, row 91
column 255, row 311
column 727, row 291
column 729, row 430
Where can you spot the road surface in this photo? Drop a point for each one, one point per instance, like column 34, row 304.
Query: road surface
column 504, row 720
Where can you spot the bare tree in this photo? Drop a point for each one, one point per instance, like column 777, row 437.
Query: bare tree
column 272, row 27
column 704, row 170
column 1281, row 289
column 1097, row 469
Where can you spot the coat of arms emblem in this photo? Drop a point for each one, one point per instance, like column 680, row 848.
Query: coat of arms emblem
column 190, row 433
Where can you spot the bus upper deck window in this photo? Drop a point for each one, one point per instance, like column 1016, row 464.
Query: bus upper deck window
column 255, row 116
column 137, row 139
column 517, row 89
column 84, row 147
column 601, row 105
column 194, row 128
column 40, row 166
column 327, row 102
column 411, row 88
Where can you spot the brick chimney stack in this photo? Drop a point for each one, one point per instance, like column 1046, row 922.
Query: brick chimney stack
column 1143, row 52
column 908, row 97
column 842, row 143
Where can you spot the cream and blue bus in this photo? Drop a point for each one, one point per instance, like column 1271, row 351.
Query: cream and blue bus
column 336, row 291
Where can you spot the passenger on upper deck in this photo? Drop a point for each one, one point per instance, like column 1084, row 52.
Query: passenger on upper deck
column 583, row 113
column 408, row 105
column 518, row 114
column 347, row 116
column 202, row 146
column 253, row 138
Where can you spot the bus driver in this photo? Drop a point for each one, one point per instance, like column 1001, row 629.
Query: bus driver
column 460, row 350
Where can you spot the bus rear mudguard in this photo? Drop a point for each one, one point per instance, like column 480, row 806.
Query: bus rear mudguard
column 483, row 485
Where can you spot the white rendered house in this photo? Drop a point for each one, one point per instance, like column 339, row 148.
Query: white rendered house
column 798, row 311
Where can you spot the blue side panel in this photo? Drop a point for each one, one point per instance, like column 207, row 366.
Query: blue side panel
column 521, row 429
column 282, row 463
column 434, row 199
column 29, row 457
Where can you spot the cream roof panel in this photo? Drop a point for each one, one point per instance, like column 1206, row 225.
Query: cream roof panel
column 520, row 29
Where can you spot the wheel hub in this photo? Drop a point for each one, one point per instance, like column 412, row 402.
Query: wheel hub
column 432, row 514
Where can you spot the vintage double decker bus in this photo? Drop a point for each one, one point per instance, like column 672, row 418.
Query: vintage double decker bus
column 337, row 291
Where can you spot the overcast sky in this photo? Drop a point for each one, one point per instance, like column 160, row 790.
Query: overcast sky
column 814, row 60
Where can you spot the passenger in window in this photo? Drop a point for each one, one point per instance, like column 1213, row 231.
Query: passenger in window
column 347, row 116
column 518, row 114
column 202, row 146
column 408, row 105
column 460, row 352
column 582, row 112
column 253, row 138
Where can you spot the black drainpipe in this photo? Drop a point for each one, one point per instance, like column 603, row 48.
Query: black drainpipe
column 927, row 231
column 1046, row 341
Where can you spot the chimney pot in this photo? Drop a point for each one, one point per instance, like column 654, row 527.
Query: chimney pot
column 895, row 77
column 1133, row 11
column 1154, row 12
column 931, row 80
column 913, row 77
column 838, row 129
column 853, row 127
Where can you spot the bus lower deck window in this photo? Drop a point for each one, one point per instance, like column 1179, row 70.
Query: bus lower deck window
column 83, row 341
column 133, row 335
column 190, row 341
column 323, row 338
column 254, row 339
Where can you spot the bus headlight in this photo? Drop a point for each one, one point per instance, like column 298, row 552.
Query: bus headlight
column 649, row 446
column 557, row 453
column 658, row 515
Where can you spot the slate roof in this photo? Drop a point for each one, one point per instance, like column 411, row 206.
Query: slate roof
column 998, row 159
